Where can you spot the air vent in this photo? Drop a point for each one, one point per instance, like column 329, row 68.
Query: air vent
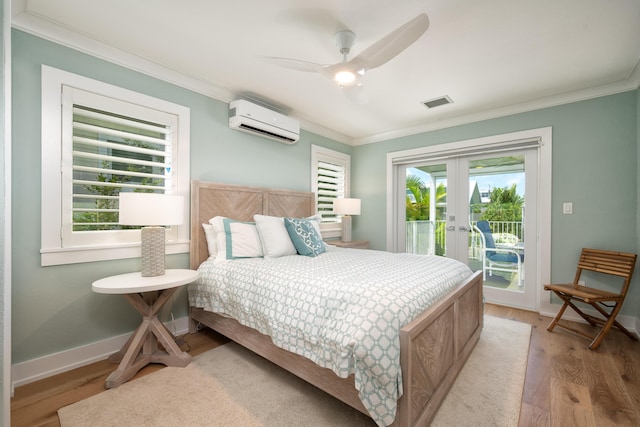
column 436, row 102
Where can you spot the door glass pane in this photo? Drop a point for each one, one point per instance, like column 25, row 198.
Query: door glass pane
column 426, row 210
column 497, row 209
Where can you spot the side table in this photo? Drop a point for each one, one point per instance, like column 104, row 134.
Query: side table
column 147, row 295
column 355, row 244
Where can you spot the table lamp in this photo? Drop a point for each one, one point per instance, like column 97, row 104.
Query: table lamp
column 346, row 207
column 152, row 211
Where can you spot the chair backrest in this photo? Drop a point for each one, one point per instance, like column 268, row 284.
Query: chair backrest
column 485, row 229
column 608, row 262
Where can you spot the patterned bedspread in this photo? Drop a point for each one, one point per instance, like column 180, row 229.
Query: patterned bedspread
column 342, row 309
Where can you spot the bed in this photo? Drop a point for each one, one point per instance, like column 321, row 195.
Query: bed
column 433, row 346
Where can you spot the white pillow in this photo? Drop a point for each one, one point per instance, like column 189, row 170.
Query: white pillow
column 210, row 235
column 316, row 220
column 218, row 232
column 216, row 221
column 274, row 236
column 241, row 240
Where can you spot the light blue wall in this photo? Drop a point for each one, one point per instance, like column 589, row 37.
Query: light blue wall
column 595, row 166
column 4, row 355
column 53, row 307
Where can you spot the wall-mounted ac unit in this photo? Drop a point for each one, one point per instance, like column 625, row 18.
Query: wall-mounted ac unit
column 248, row 117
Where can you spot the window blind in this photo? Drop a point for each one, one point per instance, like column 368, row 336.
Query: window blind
column 331, row 185
column 113, row 153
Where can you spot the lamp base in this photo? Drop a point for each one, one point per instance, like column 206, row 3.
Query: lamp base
column 346, row 228
column 152, row 251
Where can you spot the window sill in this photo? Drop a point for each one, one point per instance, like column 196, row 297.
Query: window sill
column 61, row 256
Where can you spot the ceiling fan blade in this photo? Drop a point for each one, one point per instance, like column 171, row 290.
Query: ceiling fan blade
column 392, row 44
column 296, row 64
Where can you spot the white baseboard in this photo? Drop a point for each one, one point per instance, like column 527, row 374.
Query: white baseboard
column 42, row 367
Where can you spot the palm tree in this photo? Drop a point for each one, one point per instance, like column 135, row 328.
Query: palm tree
column 418, row 202
column 505, row 205
column 418, row 206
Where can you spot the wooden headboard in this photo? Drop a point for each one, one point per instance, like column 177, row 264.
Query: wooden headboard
column 239, row 203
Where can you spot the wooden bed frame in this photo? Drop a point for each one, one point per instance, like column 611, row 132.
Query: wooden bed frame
column 433, row 347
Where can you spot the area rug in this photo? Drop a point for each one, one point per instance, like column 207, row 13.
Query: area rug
column 230, row 386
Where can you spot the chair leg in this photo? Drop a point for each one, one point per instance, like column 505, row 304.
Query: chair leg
column 555, row 320
column 568, row 303
column 615, row 322
column 611, row 317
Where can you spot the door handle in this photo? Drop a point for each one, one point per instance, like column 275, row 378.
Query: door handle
column 451, row 228
column 463, row 228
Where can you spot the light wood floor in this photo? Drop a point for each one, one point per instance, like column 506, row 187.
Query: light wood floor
column 566, row 383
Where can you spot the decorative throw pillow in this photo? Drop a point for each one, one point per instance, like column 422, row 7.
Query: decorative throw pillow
column 274, row 236
column 241, row 239
column 305, row 237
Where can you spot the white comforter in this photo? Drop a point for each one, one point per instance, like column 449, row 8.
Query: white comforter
column 342, row 309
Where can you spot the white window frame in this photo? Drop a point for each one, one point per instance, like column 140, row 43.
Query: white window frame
column 107, row 245
column 318, row 153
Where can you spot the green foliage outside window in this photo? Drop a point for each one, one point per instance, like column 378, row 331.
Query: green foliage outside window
column 104, row 215
column 505, row 205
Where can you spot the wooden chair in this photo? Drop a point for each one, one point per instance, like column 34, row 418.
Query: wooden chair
column 614, row 263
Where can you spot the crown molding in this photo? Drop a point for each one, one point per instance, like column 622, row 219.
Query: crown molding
column 31, row 24
column 49, row 31
column 631, row 83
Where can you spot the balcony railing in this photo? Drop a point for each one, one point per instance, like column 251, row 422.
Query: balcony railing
column 428, row 237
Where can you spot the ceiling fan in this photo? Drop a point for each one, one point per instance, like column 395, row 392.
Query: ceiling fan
column 349, row 73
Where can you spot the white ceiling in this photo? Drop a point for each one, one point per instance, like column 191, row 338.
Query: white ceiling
column 491, row 57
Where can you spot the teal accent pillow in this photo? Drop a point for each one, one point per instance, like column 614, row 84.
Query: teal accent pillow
column 305, row 236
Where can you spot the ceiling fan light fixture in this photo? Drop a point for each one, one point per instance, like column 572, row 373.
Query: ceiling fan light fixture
column 344, row 77
column 348, row 73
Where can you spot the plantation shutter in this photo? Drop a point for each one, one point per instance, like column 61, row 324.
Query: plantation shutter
column 331, row 185
column 110, row 146
column 114, row 153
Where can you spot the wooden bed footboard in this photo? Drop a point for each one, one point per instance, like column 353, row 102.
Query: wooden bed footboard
column 434, row 347
column 433, row 350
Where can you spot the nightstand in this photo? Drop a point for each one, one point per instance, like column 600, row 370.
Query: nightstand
column 147, row 295
column 355, row 244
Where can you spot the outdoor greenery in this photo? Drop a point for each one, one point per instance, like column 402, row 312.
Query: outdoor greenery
column 505, row 205
column 104, row 214
column 419, row 205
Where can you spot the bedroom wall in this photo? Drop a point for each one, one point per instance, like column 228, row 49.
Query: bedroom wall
column 595, row 154
column 595, row 165
column 5, row 252
column 54, row 308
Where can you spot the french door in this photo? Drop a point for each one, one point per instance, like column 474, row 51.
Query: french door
column 472, row 207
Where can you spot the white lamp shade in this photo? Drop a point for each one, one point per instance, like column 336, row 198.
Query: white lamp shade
column 150, row 209
column 346, row 206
